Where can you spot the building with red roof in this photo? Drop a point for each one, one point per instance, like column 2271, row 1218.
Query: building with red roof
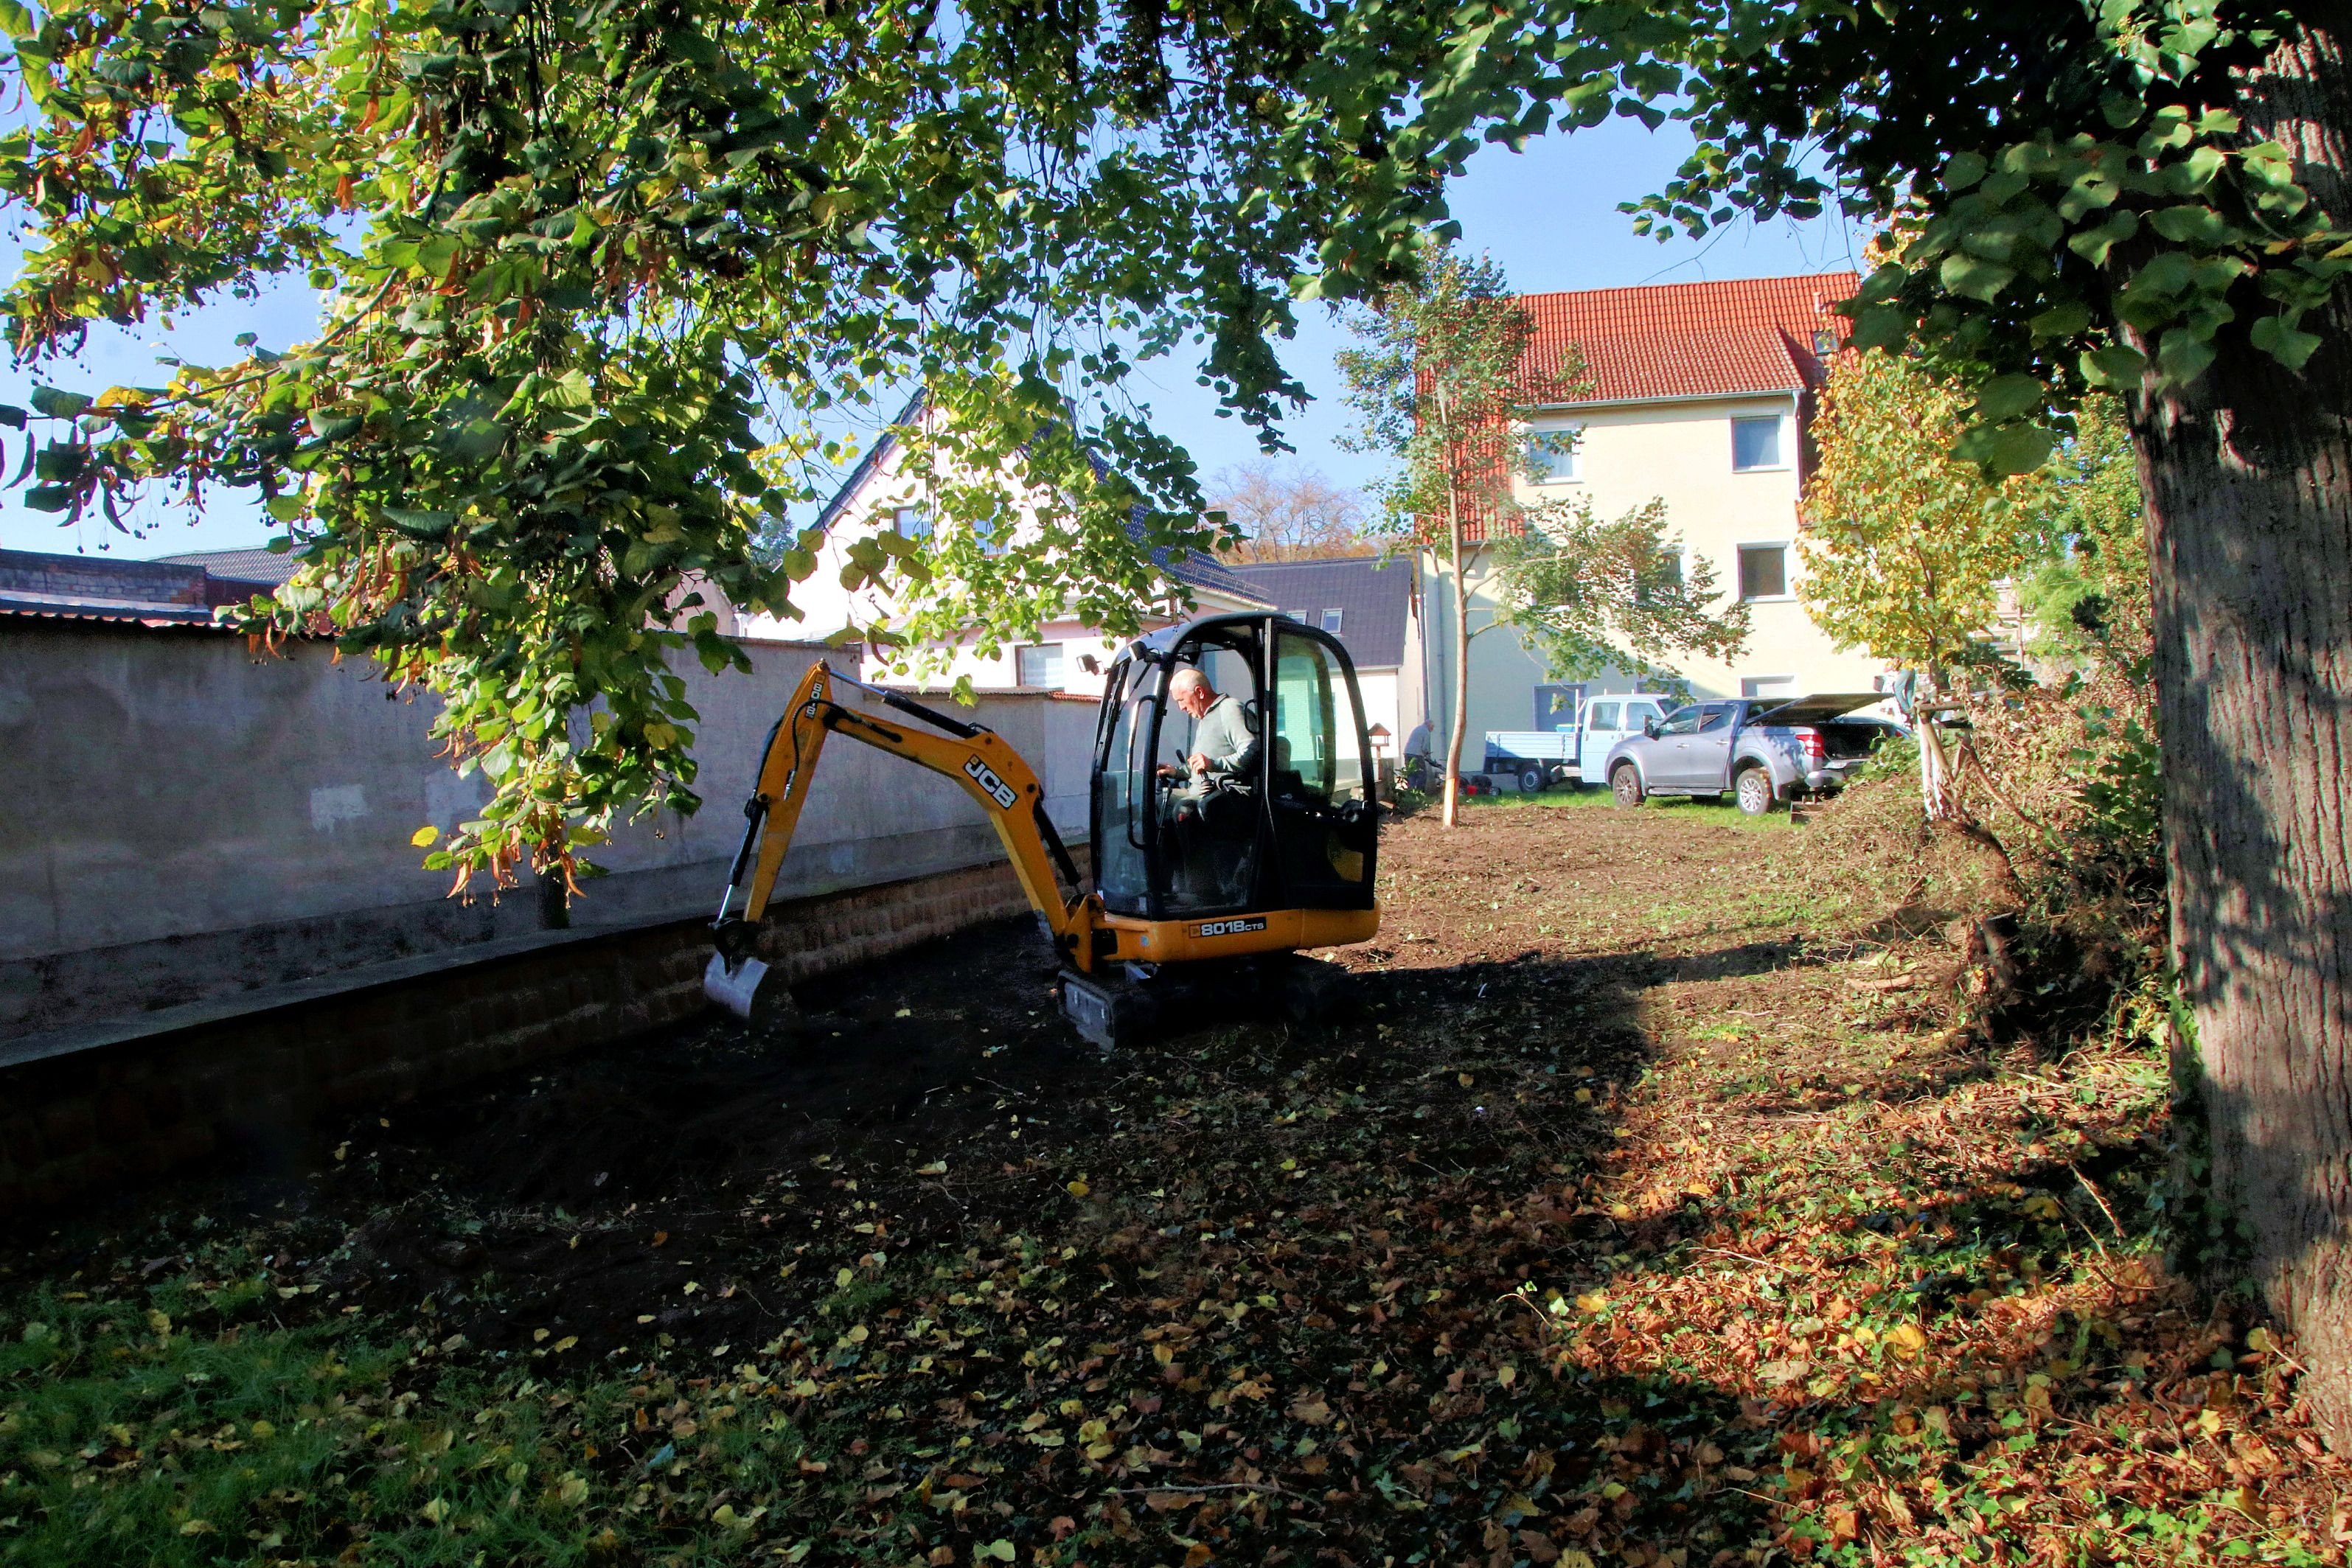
column 1699, row 396
column 1678, row 342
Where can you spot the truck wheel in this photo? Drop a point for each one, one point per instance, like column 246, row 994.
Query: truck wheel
column 1626, row 785
column 1754, row 790
column 1532, row 780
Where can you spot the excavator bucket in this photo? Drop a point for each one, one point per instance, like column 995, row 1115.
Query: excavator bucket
column 749, row 991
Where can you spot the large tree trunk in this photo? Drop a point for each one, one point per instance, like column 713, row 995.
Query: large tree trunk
column 2249, row 482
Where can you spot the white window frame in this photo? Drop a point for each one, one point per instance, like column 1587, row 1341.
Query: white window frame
column 1748, row 684
column 1788, row 549
column 899, row 514
column 1779, row 442
column 1574, row 454
column 1331, row 619
column 1061, row 665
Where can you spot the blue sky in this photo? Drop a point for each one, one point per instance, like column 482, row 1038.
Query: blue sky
column 1548, row 215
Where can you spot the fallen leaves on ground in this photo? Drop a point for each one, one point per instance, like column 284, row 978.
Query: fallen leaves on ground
column 1572, row 1249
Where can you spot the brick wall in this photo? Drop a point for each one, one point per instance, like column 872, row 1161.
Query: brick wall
column 72, row 1127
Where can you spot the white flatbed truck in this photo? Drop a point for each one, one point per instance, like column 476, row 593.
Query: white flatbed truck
column 1533, row 759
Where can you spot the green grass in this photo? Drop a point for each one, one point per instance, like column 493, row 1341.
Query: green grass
column 1576, row 798
column 179, row 1425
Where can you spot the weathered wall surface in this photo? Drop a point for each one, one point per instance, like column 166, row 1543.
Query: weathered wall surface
column 103, row 578
column 187, row 824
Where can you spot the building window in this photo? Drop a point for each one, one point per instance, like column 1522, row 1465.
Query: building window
column 1331, row 618
column 1768, row 686
column 912, row 522
column 1763, row 571
column 1556, row 455
column 1040, row 667
column 1755, row 444
column 1663, row 585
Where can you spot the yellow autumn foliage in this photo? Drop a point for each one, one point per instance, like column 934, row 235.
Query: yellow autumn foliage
column 1904, row 547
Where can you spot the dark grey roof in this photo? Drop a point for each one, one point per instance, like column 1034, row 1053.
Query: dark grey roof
column 1197, row 571
column 870, row 461
column 1204, row 572
column 1372, row 594
column 239, row 565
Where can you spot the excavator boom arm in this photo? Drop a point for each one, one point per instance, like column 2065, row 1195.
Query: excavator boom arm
column 988, row 769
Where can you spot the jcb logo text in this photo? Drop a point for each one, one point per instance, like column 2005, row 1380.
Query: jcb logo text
column 985, row 776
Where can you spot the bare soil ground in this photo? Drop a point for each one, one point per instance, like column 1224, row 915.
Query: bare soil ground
column 1649, row 1210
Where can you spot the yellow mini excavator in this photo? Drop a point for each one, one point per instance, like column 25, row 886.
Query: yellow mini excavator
column 1211, row 875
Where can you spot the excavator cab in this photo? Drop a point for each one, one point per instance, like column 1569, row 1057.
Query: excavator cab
column 1233, row 825
column 1294, row 828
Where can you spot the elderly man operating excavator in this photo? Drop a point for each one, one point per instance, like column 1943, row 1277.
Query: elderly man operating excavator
column 1225, row 746
column 1211, row 807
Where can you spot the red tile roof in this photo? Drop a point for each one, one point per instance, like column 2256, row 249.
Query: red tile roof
column 1689, row 339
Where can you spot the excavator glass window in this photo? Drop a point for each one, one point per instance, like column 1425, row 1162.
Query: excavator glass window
column 1324, row 825
column 1278, row 814
column 1123, row 829
column 1210, row 768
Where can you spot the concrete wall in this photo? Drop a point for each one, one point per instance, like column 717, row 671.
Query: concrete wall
column 102, row 577
column 185, row 822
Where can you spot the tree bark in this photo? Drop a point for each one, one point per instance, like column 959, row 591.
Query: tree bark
column 2248, row 476
column 1460, row 725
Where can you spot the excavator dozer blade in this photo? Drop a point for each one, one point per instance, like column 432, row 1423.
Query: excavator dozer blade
column 1114, row 1013
column 752, row 993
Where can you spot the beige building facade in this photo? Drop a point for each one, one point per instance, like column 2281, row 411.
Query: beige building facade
column 1698, row 395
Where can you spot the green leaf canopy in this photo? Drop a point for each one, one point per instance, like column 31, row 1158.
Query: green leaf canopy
column 598, row 278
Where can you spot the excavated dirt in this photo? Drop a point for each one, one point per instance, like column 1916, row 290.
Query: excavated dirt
column 579, row 1199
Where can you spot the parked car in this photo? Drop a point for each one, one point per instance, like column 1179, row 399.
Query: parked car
column 1759, row 751
column 1568, row 752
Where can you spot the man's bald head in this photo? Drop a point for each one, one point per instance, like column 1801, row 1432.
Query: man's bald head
column 1190, row 690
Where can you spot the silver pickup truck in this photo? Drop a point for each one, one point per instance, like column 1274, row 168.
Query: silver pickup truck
column 1759, row 751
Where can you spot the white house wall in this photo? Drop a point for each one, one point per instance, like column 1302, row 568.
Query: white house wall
column 827, row 608
column 1681, row 454
column 1380, row 691
column 1503, row 673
